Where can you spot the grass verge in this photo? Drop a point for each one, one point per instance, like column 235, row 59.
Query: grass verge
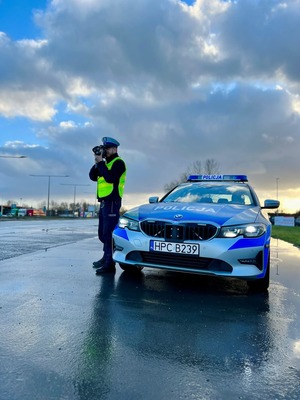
column 290, row 234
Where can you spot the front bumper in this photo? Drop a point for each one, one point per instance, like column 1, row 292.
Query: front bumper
column 238, row 257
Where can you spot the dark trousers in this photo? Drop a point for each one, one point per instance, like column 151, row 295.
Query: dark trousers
column 108, row 218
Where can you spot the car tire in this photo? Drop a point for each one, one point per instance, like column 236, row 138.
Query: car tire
column 130, row 268
column 261, row 285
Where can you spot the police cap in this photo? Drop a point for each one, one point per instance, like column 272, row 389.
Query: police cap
column 110, row 142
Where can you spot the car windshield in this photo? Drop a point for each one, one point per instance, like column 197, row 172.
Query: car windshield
column 208, row 192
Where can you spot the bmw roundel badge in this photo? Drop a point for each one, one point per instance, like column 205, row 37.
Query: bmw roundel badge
column 178, row 216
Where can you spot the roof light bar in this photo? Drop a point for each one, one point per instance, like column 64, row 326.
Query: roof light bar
column 235, row 178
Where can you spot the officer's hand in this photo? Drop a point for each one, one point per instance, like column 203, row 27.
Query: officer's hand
column 98, row 159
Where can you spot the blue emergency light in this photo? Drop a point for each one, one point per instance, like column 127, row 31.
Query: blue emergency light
column 235, row 178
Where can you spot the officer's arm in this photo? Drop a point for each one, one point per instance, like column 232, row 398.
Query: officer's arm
column 94, row 173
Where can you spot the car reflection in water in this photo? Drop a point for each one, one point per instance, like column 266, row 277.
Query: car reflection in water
column 188, row 322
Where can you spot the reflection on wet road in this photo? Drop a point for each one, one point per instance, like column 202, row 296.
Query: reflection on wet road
column 68, row 334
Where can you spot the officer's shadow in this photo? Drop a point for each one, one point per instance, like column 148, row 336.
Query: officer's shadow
column 94, row 379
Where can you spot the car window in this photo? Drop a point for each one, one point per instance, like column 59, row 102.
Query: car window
column 208, row 192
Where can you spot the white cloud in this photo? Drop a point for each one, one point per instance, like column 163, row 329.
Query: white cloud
column 67, row 124
column 17, row 144
column 296, row 348
column 31, row 104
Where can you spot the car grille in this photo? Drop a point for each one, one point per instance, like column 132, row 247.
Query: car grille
column 173, row 260
column 180, row 261
column 178, row 232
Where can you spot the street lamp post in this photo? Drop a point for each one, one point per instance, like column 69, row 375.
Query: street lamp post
column 13, row 156
column 75, row 186
column 49, row 184
column 277, row 179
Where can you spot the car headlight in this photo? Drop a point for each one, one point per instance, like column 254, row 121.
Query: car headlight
column 128, row 223
column 247, row 230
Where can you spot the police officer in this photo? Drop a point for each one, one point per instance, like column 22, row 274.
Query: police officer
column 110, row 175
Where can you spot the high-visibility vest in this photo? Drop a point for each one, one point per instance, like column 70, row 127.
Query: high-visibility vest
column 104, row 188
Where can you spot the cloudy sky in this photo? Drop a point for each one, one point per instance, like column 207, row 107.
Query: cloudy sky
column 174, row 81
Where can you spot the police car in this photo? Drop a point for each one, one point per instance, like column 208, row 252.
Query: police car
column 212, row 224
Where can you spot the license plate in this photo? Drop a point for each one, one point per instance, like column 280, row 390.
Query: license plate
column 171, row 247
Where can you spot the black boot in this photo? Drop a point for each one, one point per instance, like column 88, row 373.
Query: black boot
column 99, row 263
column 106, row 268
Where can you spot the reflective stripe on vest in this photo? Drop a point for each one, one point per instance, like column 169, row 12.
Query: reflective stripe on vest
column 104, row 188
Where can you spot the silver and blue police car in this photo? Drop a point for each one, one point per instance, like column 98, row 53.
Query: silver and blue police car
column 212, row 224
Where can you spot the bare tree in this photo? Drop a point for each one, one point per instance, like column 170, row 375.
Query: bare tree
column 10, row 202
column 211, row 167
column 194, row 169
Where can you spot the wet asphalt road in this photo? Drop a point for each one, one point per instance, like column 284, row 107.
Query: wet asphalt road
column 27, row 236
column 68, row 334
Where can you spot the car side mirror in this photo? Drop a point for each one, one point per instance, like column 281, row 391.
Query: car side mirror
column 271, row 204
column 153, row 199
